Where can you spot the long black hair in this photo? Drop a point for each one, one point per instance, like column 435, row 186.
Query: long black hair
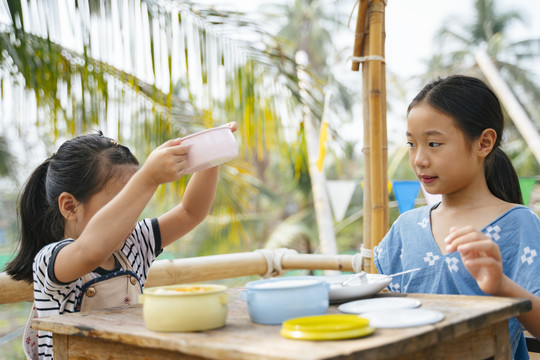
column 474, row 108
column 82, row 167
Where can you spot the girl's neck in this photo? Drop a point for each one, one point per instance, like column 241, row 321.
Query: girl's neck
column 476, row 195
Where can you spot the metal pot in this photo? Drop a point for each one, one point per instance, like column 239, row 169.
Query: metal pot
column 272, row 301
column 186, row 307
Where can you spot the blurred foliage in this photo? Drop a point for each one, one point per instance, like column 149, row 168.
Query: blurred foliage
column 490, row 28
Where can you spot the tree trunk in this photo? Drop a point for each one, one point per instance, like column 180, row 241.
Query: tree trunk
column 323, row 212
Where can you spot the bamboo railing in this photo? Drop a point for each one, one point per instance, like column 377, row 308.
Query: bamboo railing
column 214, row 267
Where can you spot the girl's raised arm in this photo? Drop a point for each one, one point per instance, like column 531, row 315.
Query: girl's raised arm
column 195, row 205
column 117, row 209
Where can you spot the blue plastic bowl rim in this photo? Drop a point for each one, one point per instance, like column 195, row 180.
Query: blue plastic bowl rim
column 314, row 281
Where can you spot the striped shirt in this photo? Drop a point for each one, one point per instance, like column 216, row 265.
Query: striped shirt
column 51, row 297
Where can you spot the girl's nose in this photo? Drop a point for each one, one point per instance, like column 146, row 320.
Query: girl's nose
column 421, row 159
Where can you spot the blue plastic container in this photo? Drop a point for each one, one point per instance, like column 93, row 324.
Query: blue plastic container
column 272, row 301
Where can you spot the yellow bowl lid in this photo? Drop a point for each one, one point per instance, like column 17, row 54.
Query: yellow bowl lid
column 326, row 327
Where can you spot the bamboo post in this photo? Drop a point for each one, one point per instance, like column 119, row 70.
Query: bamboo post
column 367, row 169
column 203, row 268
column 361, row 44
column 386, row 216
column 360, row 33
column 377, row 114
column 370, row 21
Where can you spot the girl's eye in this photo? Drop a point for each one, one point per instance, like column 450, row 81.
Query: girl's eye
column 434, row 144
column 411, row 145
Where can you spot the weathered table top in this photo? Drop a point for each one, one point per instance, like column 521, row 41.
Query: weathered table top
column 474, row 326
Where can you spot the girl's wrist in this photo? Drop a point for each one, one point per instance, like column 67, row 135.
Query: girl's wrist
column 507, row 287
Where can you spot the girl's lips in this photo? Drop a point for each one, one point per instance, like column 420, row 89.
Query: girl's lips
column 427, row 179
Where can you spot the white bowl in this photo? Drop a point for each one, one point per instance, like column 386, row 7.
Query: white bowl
column 357, row 288
column 209, row 148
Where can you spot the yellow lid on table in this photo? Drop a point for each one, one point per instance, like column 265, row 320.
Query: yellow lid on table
column 326, row 327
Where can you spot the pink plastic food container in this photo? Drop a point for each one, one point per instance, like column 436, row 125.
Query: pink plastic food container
column 209, row 148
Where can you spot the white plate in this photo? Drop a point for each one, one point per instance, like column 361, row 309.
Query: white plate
column 357, row 288
column 377, row 304
column 400, row 318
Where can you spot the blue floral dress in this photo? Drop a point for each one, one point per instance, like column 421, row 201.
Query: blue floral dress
column 410, row 244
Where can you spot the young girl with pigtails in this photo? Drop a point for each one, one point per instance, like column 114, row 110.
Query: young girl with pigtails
column 81, row 243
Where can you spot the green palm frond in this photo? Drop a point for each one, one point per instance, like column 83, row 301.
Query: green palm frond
column 146, row 71
column 6, row 158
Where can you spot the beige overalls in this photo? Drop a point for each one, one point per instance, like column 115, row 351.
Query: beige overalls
column 120, row 288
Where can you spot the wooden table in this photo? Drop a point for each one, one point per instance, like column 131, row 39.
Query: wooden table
column 475, row 327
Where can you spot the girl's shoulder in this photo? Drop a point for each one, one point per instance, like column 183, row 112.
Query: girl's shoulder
column 415, row 215
column 51, row 249
column 519, row 213
column 519, row 221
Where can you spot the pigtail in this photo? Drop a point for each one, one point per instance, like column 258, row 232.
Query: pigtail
column 32, row 206
column 501, row 177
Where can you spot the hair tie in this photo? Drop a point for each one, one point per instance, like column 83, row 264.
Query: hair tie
column 114, row 142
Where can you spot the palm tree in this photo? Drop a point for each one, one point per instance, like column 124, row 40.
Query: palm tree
column 6, row 158
column 489, row 30
column 145, row 71
column 309, row 27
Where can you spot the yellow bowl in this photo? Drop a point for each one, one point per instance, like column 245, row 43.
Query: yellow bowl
column 326, row 327
column 186, row 307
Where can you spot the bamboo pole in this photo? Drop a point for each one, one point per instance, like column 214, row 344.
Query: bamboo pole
column 361, row 46
column 12, row 291
column 359, row 34
column 317, row 262
column 377, row 112
column 371, row 15
column 386, row 216
column 203, row 268
column 367, row 163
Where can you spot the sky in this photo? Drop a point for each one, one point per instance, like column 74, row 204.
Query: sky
column 412, row 24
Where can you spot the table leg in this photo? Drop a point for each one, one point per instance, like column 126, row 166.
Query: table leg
column 503, row 350
column 60, row 347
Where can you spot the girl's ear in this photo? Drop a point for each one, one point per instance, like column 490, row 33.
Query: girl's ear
column 68, row 206
column 486, row 141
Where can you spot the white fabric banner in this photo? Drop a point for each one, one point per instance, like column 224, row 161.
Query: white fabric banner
column 340, row 193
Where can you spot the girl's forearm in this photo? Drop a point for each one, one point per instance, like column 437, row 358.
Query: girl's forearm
column 530, row 320
column 195, row 206
column 200, row 192
column 119, row 215
column 105, row 231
